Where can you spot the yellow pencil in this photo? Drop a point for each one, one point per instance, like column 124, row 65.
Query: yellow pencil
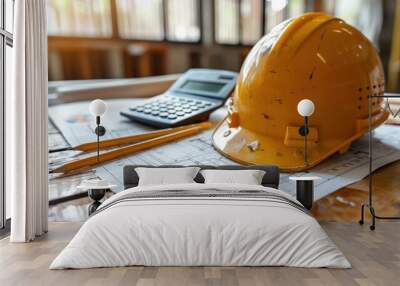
column 124, row 140
column 170, row 136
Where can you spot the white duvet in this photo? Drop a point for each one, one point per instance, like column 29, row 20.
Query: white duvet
column 204, row 231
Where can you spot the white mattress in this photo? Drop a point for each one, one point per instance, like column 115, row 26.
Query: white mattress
column 189, row 231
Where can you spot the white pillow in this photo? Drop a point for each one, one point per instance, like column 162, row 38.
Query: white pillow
column 248, row 177
column 166, row 176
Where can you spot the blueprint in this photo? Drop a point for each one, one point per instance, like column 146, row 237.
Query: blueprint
column 336, row 172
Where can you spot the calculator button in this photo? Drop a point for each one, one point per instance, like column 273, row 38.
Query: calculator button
column 163, row 114
column 172, row 116
column 147, row 111
column 155, row 113
column 180, row 113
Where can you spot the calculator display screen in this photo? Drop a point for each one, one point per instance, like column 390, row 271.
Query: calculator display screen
column 212, row 87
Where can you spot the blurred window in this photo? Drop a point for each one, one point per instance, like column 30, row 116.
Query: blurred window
column 183, row 20
column 6, row 60
column 347, row 10
column 277, row 11
column 241, row 21
column 9, row 15
column 251, row 17
column 226, row 21
column 82, row 18
column 365, row 15
column 140, row 19
column 156, row 20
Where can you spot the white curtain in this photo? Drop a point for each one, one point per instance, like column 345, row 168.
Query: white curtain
column 26, row 123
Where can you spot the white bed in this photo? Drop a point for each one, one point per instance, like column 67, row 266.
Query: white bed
column 224, row 225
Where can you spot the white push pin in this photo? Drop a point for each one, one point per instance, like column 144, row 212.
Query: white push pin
column 305, row 108
column 98, row 107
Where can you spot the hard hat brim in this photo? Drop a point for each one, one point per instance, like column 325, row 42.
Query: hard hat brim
column 250, row 148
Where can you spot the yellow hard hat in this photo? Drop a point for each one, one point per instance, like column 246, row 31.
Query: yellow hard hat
column 315, row 57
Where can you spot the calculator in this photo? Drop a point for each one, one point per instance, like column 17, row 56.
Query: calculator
column 190, row 99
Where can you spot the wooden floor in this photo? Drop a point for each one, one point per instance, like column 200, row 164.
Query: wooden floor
column 344, row 204
column 375, row 257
